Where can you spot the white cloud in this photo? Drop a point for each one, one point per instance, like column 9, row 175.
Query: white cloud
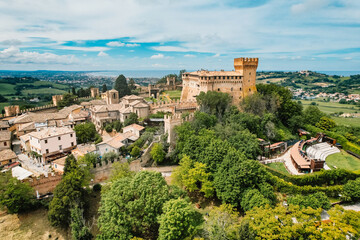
column 102, row 54
column 308, row 5
column 132, row 45
column 14, row 55
column 115, row 44
column 348, row 58
column 216, row 55
column 170, row 49
column 11, row 42
column 189, row 56
column 157, row 56
column 85, row 49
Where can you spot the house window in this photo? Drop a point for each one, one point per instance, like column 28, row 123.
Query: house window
column 60, row 147
column 72, row 144
column 45, row 141
column 5, row 143
column 240, row 89
column 249, row 90
column 47, row 150
column 59, row 138
column 71, row 134
column 218, row 89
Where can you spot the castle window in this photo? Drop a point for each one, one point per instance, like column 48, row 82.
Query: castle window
column 218, row 89
column 231, row 89
column 249, row 90
column 240, row 89
column 114, row 95
column 45, row 141
column 228, row 77
column 223, row 77
column 232, row 77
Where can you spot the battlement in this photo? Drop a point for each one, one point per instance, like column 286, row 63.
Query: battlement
column 240, row 63
column 179, row 116
column 95, row 92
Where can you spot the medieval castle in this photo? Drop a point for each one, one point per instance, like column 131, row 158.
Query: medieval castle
column 238, row 84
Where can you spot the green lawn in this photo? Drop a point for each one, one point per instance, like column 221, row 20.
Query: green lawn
column 42, row 91
column 6, row 89
column 343, row 160
column 279, row 166
column 331, row 107
column 176, row 94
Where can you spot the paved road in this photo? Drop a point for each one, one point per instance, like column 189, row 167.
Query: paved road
column 355, row 207
column 288, row 163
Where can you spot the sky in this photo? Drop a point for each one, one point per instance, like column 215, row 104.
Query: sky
column 179, row 34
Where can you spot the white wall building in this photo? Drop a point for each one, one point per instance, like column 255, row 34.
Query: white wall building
column 52, row 143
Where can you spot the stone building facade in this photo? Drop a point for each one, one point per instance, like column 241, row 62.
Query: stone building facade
column 111, row 96
column 238, row 84
column 95, row 92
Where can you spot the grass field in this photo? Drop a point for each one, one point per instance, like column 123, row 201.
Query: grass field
column 343, row 160
column 42, row 91
column 354, row 122
column 331, row 107
column 176, row 94
column 278, row 166
column 6, row 89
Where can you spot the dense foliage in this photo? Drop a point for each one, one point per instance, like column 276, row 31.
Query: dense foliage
column 14, row 195
column 86, row 132
column 121, row 86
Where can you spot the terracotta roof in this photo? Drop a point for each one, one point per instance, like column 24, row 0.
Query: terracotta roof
column 51, row 132
column 97, row 102
column 7, row 154
column 134, row 103
column 25, row 137
column 83, row 149
column 116, row 141
column 27, row 126
column 67, row 110
column 295, row 154
column 5, row 135
column 4, row 124
column 132, row 97
column 85, row 104
column 60, row 161
column 141, row 105
column 135, row 126
column 38, row 117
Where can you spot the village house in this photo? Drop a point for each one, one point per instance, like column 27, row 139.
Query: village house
column 83, row 149
column 58, row 165
column 108, row 113
column 135, row 129
column 4, row 126
column 115, row 143
column 5, row 140
column 7, row 156
column 52, row 143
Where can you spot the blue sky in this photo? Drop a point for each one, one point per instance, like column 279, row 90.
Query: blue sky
column 179, row 34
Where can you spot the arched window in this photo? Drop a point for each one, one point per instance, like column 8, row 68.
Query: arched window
column 218, row 89
column 240, row 89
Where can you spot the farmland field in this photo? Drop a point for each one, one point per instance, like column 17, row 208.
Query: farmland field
column 331, row 107
column 42, row 91
column 6, row 89
column 354, row 122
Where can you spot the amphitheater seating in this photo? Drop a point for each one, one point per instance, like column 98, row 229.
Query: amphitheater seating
column 321, row 151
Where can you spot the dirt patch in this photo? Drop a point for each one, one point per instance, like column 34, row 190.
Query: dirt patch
column 32, row 225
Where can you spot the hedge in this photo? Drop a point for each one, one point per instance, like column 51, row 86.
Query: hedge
column 286, row 187
column 321, row 178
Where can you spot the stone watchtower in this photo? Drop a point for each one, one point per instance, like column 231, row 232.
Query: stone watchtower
column 11, row 110
column 95, row 92
column 56, row 99
column 247, row 66
column 112, row 97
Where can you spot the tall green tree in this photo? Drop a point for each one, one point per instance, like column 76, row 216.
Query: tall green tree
column 178, row 221
column 121, row 86
column 73, row 91
column 315, row 201
column 133, row 118
column 79, row 230
column 85, row 132
column 68, row 100
column 132, row 205
column 14, row 195
column 68, row 192
column 351, row 191
column 157, row 153
column 312, row 115
column 104, row 88
column 132, row 84
column 213, row 102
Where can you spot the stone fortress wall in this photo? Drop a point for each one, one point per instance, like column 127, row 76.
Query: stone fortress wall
column 238, row 83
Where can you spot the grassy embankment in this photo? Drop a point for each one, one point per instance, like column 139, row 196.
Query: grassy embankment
column 343, row 160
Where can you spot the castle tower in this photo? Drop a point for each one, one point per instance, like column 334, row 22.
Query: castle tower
column 56, row 99
column 95, row 92
column 112, row 97
column 170, row 122
column 247, row 66
column 170, row 81
column 12, row 110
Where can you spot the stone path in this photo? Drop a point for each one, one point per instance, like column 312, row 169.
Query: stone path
column 32, row 165
column 288, row 163
column 355, row 207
